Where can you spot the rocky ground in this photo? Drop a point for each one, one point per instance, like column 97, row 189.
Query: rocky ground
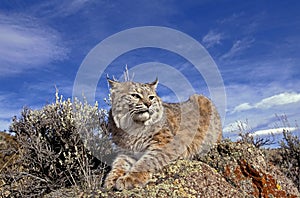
column 228, row 170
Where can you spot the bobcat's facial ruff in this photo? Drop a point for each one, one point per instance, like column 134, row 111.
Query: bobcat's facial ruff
column 153, row 133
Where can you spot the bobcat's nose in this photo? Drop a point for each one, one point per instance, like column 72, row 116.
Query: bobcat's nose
column 147, row 103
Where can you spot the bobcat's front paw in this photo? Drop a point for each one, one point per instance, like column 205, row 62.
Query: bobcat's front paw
column 127, row 182
column 110, row 181
column 112, row 177
column 132, row 180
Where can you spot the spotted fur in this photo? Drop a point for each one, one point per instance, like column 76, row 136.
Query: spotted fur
column 150, row 133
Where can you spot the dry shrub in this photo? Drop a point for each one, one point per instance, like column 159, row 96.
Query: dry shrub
column 8, row 146
column 247, row 136
column 57, row 147
column 290, row 154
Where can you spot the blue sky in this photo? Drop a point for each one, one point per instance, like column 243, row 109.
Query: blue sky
column 255, row 45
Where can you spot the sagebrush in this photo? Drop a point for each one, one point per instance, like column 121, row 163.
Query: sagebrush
column 57, row 148
column 290, row 153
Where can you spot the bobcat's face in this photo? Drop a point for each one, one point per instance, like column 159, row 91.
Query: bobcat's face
column 142, row 104
column 135, row 102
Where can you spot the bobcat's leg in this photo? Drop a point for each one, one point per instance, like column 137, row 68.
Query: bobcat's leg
column 120, row 167
column 142, row 170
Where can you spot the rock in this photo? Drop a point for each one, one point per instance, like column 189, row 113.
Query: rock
column 246, row 168
column 228, row 170
column 183, row 178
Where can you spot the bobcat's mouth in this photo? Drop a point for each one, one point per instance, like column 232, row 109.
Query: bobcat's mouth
column 143, row 111
column 141, row 115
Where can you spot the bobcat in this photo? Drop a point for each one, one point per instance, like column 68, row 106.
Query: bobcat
column 151, row 133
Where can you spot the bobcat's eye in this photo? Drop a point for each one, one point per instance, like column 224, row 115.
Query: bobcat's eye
column 151, row 97
column 136, row 96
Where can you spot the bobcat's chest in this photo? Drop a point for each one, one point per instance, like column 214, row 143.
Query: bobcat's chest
column 140, row 140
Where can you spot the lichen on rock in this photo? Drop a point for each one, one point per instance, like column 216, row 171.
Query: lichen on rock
column 246, row 167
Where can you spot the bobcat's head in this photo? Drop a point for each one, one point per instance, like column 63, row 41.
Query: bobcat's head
column 135, row 103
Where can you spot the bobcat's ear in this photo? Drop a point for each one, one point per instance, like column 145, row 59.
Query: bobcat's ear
column 154, row 84
column 112, row 83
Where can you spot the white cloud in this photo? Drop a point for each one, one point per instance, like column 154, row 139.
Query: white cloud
column 212, row 38
column 25, row 44
column 280, row 99
column 238, row 47
column 242, row 107
column 266, row 103
column 273, row 131
column 235, row 126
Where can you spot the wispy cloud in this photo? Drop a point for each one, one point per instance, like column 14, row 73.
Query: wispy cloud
column 4, row 125
column 57, row 8
column 266, row 103
column 25, row 44
column 243, row 23
column 7, row 111
column 212, row 38
column 74, row 6
column 238, row 47
column 232, row 19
